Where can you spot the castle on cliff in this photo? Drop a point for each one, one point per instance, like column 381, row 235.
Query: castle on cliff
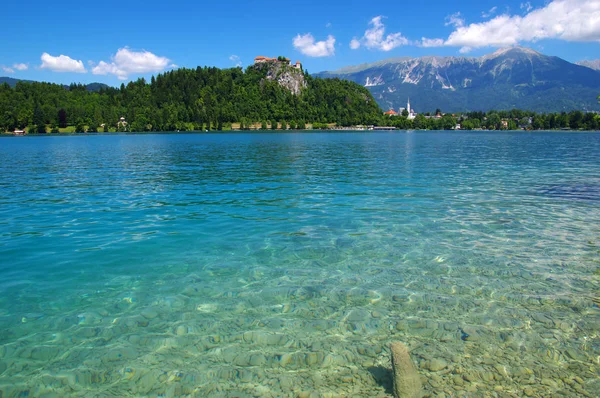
column 260, row 59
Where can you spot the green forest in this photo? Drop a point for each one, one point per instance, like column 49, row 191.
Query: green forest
column 185, row 99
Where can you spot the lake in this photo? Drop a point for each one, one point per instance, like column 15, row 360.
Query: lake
column 274, row 264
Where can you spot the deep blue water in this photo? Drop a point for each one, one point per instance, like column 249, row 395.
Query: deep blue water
column 278, row 264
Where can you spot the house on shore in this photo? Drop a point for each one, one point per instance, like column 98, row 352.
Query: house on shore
column 122, row 123
column 19, row 132
column 391, row 112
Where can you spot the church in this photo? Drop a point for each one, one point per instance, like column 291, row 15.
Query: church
column 411, row 112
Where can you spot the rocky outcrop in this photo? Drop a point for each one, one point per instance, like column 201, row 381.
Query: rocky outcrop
column 287, row 76
column 407, row 383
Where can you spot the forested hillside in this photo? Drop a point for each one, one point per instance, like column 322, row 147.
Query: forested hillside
column 186, row 99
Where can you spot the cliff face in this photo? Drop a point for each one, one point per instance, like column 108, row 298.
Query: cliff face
column 284, row 74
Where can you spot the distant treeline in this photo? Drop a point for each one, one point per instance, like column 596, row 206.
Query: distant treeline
column 498, row 120
column 185, row 99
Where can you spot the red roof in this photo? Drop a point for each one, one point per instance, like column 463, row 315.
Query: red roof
column 391, row 112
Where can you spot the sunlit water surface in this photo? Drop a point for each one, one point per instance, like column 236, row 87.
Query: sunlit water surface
column 285, row 264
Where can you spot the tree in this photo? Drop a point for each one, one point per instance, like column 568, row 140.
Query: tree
column 80, row 127
column 494, row 122
column 38, row 118
column 263, row 125
column 62, row 118
column 404, row 113
column 420, row 122
column 273, row 125
column 448, row 122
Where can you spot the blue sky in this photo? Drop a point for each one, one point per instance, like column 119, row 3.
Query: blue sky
column 118, row 41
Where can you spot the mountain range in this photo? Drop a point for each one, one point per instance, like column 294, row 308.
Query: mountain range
column 594, row 64
column 509, row 78
column 89, row 87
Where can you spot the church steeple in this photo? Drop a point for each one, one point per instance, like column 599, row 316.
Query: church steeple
column 408, row 106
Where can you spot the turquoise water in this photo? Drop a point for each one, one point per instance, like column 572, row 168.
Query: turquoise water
column 285, row 264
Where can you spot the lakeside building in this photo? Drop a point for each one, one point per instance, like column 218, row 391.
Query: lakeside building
column 411, row 112
column 122, row 122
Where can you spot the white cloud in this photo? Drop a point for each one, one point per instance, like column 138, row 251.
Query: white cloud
column 374, row 37
column 307, row 45
column 328, row 25
column 6, row 69
column 569, row 20
column 455, row 20
column 491, row 12
column 425, row 42
column 20, row 66
column 126, row 62
column 526, row 6
column 354, row 44
column 236, row 60
column 62, row 63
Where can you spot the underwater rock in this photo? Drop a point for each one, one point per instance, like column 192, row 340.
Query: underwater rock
column 407, row 383
column 436, row 364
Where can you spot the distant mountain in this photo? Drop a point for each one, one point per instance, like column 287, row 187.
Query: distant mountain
column 595, row 64
column 509, row 78
column 13, row 82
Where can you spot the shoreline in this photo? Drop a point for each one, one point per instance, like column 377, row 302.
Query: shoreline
column 269, row 131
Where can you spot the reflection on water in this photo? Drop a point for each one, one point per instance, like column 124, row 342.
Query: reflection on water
column 285, row 264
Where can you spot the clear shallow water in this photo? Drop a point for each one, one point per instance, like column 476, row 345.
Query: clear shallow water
column 285, row 264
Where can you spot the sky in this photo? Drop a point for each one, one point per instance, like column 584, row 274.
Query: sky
column 113, row 42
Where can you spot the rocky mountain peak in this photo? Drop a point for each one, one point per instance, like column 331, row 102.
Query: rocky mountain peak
column 286, row 75
column 594, row 64
column 512, row 51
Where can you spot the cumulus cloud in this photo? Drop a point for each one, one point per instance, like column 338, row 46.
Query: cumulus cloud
column 354, row 44
column 569, row 20
column 7, row 69
column 20, row 66
column 307, row 45
column 236, row 60
column 126, row 62
column 62, row 63
column 375, row 38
